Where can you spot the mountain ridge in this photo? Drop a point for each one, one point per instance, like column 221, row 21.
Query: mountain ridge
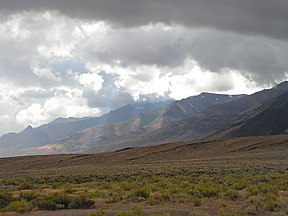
column 204, row 116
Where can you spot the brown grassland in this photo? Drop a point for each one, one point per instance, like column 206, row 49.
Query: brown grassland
column 240, row 176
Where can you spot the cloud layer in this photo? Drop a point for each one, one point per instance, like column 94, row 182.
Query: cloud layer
column 83, row 58
column 263, row 17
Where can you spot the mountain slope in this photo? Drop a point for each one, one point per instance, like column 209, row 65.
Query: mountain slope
column 141, row 130
column 213, row 121
column 61, row 128
column 248, row 102
column 196, row 104
column 218, row 121
column 269, row 119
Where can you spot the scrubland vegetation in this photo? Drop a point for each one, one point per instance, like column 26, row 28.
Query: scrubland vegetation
column 212, row 187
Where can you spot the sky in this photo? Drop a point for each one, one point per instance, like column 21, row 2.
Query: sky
column 77, row 58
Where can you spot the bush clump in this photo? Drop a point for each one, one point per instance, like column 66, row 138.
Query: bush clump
column 206, row 190
column 21, row 206
column 5, row 199
column 62, row 200
column 197, row 202
column 240, row 185
column 28, row 196
column 139, row 195
column 81, row 202
column 46, row 203
column 232, row 194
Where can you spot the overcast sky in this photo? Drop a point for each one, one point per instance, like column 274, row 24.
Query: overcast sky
column 84, row 57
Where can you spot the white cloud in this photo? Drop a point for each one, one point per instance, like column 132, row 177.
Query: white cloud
column 90, row 80
column 46, row 72
column 38, row 114
column 76, row 108
column 8, row 124
column 32, row 115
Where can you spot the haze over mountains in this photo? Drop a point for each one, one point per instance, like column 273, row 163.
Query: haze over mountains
column 205, row 116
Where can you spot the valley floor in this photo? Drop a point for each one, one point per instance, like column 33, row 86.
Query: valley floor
column 241, row 176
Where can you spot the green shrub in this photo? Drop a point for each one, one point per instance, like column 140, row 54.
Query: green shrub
column 256, row 201
column 81, row 202
column 253, row 190
column 227, row 181
column 70, row 190
column 271, row 202
column 232, row 194
column 29, row 196
column 21, row 206
column 251, row 210
column 195, row 193
column 267, row 188
column 46, row 203
column 139, row 195
column 207, row 190
column 114, row 197
column 158, row 198
column 240, row 185
column 197, row 202
column 142, row 193
column 27, row 185
column 5, row 199
column 62, row 200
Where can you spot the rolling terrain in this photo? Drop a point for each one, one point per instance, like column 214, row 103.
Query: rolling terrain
column 244, row 148
column 238, row 176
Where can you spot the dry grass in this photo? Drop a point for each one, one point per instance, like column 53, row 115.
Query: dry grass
column 240, row 176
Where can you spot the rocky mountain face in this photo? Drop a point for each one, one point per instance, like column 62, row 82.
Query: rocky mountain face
column 269, row 119
column 248, row 102
column 205, row 116
column 196, row 104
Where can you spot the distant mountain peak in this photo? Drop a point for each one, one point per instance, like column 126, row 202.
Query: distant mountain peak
column 282, row 85
column 208, row 93
column 29, row 127
column 28, row 130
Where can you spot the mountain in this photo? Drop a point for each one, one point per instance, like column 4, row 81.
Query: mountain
column 205, row 116
column 217, row 121
column 269, row 119
column 18, row 143
column 248, row 102
column 141, row 130
column 196, row 104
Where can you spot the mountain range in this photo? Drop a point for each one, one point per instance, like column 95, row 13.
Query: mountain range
column 203, row 117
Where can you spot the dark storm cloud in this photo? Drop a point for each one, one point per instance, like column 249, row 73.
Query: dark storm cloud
column 259, row 59
column 264, row 17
